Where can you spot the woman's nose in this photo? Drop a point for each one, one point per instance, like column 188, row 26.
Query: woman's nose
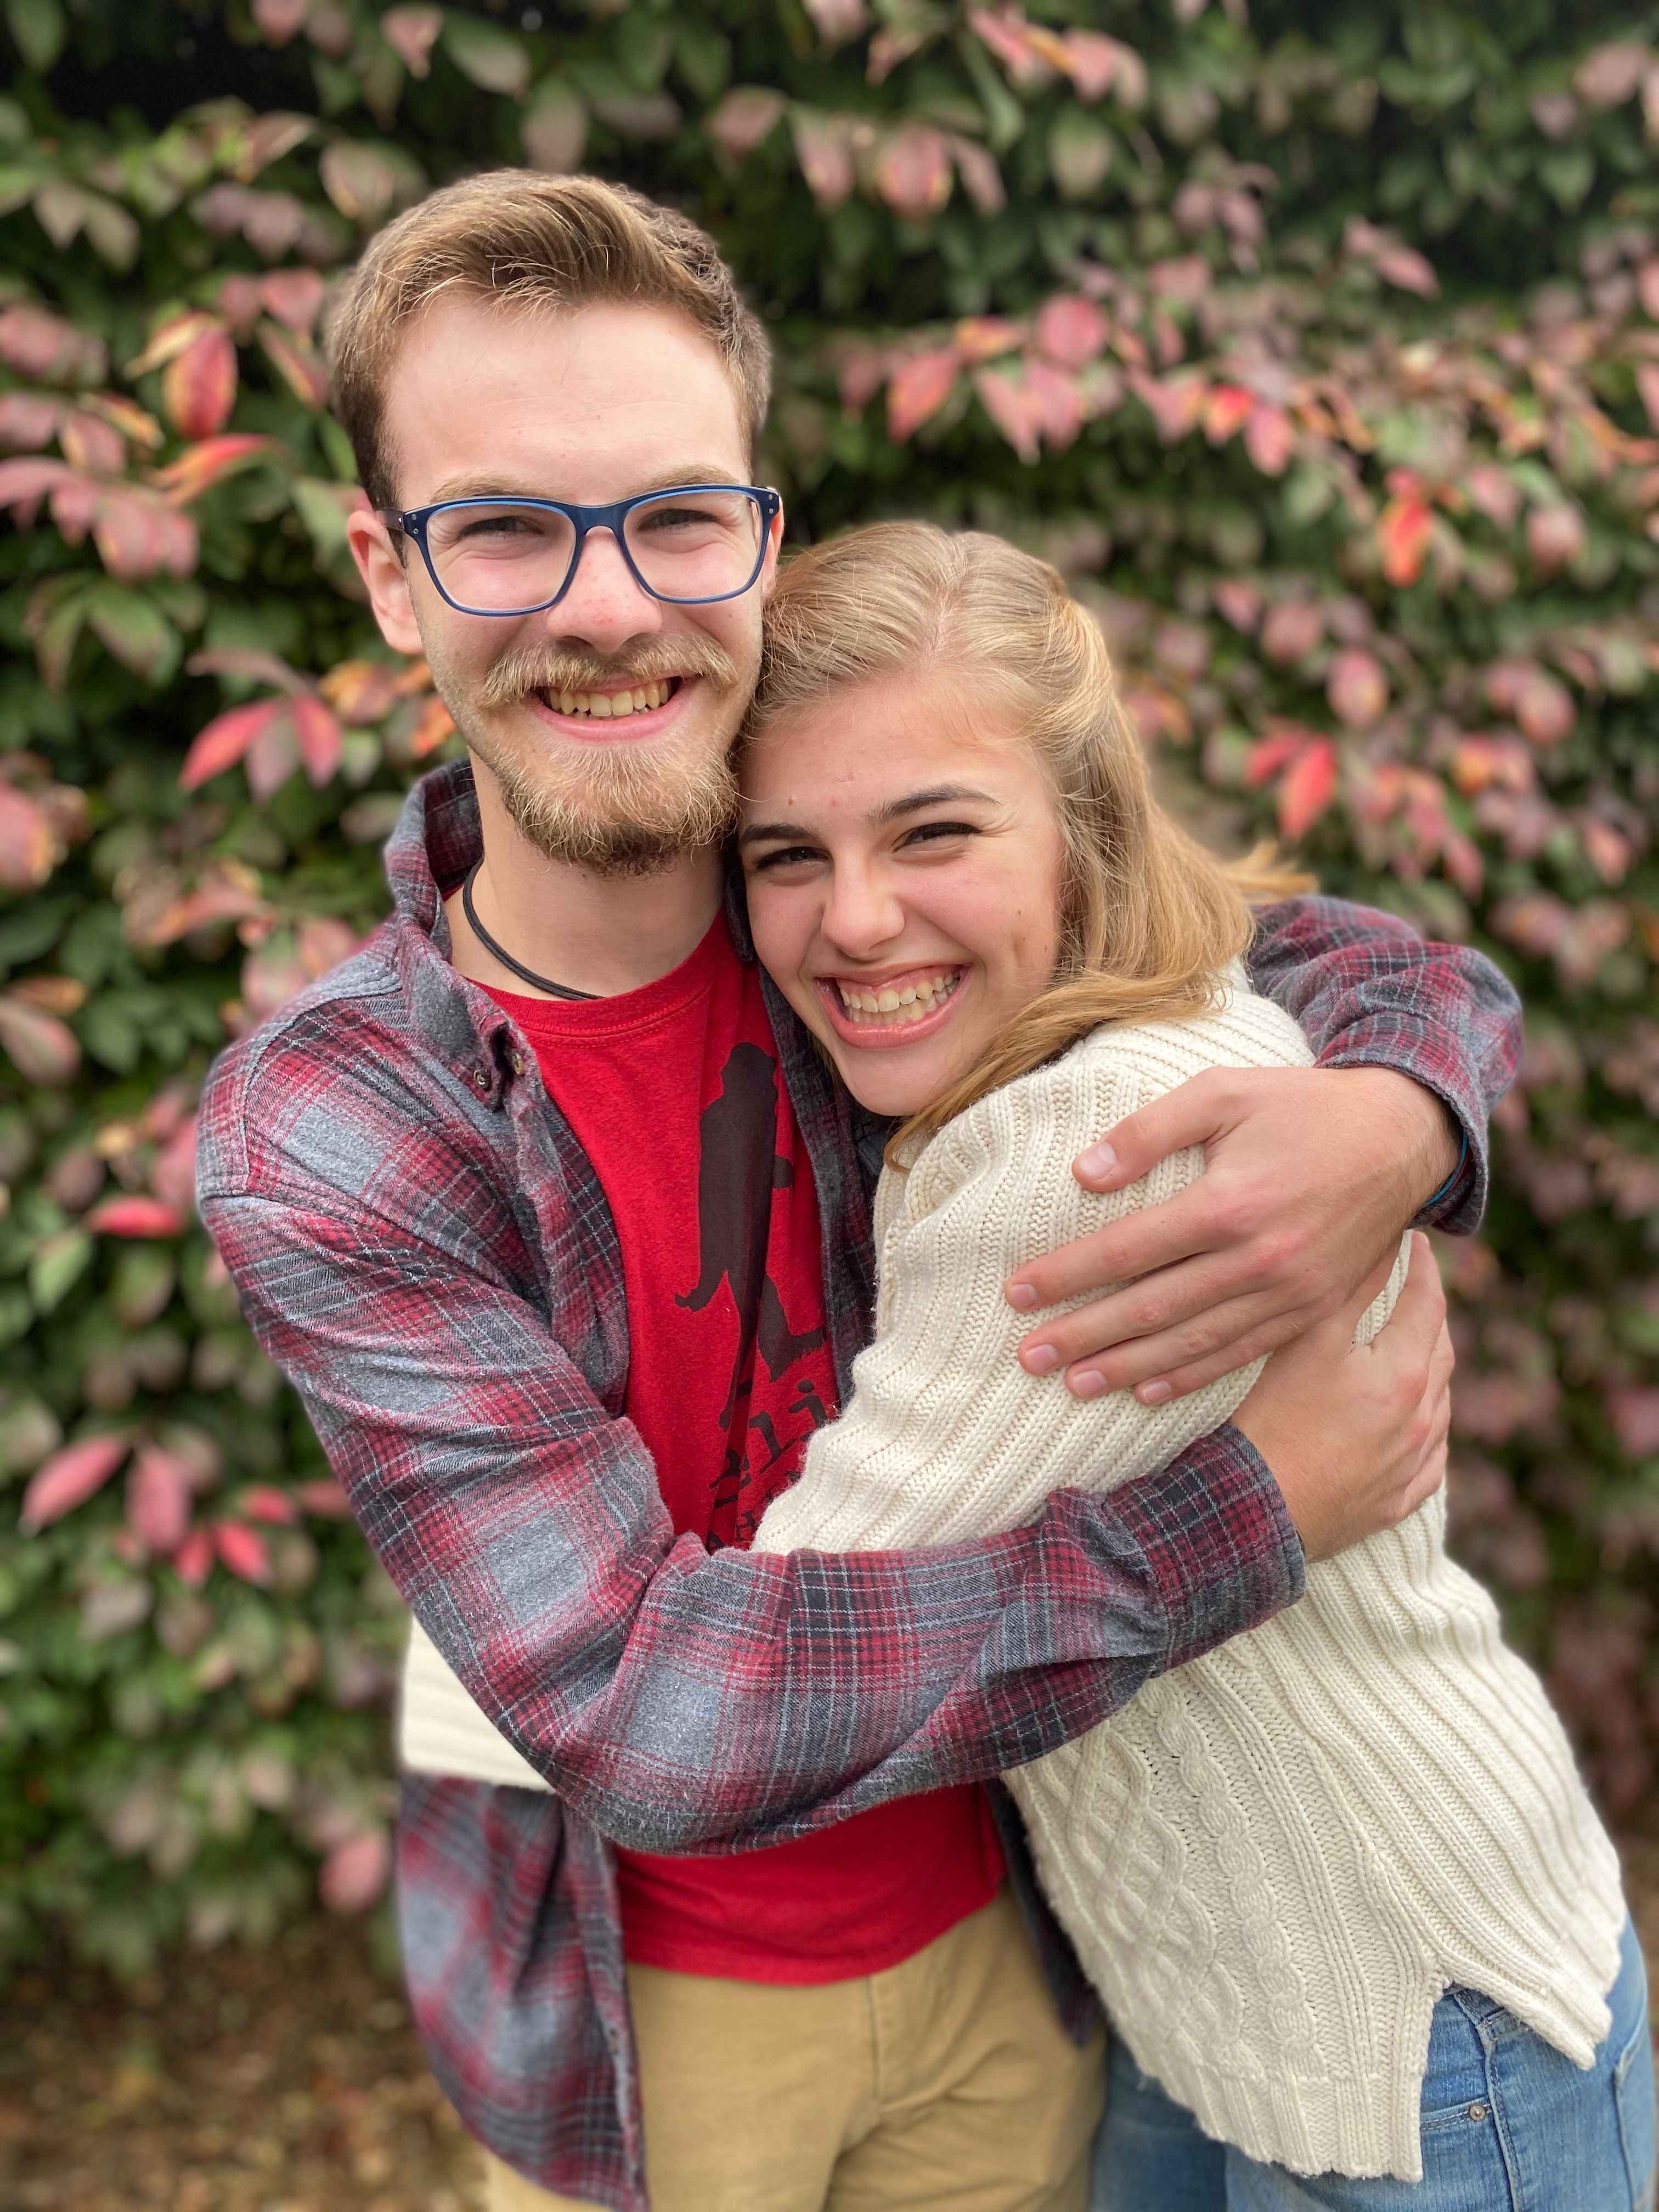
column 863, row 914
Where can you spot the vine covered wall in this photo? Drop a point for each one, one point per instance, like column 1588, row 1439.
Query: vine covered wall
column 1318, row 345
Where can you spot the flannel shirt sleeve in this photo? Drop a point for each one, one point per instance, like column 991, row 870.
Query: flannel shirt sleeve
column 1370, row 992
column 680, row 1700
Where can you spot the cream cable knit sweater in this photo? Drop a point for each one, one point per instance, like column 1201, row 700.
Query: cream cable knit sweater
column 1274, row 1862
column 1276, row 1858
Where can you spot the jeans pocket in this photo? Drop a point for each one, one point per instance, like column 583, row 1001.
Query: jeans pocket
column 1633, row 2102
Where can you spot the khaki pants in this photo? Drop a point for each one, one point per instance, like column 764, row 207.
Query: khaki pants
column 945, row 2083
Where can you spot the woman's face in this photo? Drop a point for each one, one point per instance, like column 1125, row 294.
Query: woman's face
column 902, row 853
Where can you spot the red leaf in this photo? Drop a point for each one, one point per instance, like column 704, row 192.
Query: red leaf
column 69, row 1478
column 434, row 724
column 193, row 1560
column 1269, row 754
column 1227, row 410
column 1011, row 406
column 225, row 740
column 198, row 386
column 919, row 388
column 273, row 754
column 265, row 1503
column 242, row 1550
column 158, row 1500
column 1306, row 788
column 1402, row 533
column 136, row 1217
column 355, row 1873
column 209, row 463
column 297, row 361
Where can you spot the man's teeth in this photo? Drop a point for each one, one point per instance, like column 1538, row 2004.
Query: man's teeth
column 893, row 1005
column 609, row 706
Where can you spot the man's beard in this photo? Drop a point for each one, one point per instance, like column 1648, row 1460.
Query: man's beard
column 612, row 809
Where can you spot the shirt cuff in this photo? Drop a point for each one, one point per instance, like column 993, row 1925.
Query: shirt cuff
column 1223, row 1549
column 1461, row 1201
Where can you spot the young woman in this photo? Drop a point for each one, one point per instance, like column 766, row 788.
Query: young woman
column 1351, row 1914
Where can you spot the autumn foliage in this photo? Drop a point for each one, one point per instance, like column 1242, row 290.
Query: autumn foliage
column 1319, row 347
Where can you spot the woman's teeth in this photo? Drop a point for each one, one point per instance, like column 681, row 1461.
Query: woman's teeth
column 892, row 1006
column 610, row 705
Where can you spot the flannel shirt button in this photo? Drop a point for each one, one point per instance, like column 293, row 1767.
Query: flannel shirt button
column 480, row 1079
column 515, row 1061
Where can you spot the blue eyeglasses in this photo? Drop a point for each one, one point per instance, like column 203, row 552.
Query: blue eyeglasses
column 691, row 546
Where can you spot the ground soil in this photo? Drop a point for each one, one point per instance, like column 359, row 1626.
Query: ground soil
column 280, row 2080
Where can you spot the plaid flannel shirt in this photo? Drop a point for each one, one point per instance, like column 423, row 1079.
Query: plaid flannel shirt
column 423, row 1247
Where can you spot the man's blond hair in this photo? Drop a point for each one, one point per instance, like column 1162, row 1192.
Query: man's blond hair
column 526, row 242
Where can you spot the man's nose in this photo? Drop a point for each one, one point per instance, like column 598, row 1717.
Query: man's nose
column 604, row 609
column 864, row 913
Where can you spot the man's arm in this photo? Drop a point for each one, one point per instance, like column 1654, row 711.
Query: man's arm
column 1311, row 1175
column 677, row 1699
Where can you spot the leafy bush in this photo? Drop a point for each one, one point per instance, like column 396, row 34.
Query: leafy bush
column 1320, row 347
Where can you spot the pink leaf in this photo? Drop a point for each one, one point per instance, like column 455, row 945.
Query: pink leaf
column 242, row 1550
column 912, row 171
column 264, row 1502
column 1356, row 688
column 193, row 1560
column 295, row 296
column 981, row 180
column 225, row 740
column 319, row 735
column 1402, row 265
column 837, row 20
column 355, row 1873
column 136, row 1217
column 28, row 849
column 1240, row 602
column 1270, row 440
column 158, row 1500
column 1071, row 329
column 324, row 1500
column 1306, row 788
column 410, row 32
column 1096, row 64
column 1011, row 406
column 1291, row 630
column 198, row 386
column 919, row 388
column 42, row 1049
column 823, row 149
column 744, row 118
column 1544, row 707
column 69, row 1478
column 1555, row 535
column 209, row 463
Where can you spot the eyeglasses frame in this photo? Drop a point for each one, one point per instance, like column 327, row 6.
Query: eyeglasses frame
column 413, row 522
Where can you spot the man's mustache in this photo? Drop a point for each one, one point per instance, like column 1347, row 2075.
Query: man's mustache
column 540, row 668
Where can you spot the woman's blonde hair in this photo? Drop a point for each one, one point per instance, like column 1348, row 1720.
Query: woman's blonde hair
column 1149, row 917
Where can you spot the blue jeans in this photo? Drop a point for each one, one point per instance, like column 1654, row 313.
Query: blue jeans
column 1509, row 2125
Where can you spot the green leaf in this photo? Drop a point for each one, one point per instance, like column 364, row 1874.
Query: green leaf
column 493, row 59
column 58, row 1267
column 39, row 29
column 16, row 1312
column 132, row 627
column 702, row 56
column 1081, row 148
column 33, row 929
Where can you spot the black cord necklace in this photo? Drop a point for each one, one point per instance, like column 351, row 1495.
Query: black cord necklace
column 553, row 990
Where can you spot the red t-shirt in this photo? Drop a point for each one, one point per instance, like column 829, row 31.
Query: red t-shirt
column 675, row 1094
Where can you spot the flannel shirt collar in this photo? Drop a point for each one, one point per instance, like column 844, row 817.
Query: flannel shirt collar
column 438, row 839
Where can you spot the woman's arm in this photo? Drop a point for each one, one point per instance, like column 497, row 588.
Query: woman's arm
column 947, row 1437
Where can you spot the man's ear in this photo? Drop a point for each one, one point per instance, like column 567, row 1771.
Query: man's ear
column 774, row 547
column 386, row 577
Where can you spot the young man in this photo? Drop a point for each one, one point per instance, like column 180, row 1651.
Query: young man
column 562, row 1231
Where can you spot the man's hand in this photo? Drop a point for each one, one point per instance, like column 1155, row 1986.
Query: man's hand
column 1355, row 1435
column 1311, row 1176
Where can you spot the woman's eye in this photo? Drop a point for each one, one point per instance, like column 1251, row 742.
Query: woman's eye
column 930, row 833
column 785, row 856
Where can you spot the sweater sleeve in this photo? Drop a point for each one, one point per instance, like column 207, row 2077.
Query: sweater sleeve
column 946, row 1435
